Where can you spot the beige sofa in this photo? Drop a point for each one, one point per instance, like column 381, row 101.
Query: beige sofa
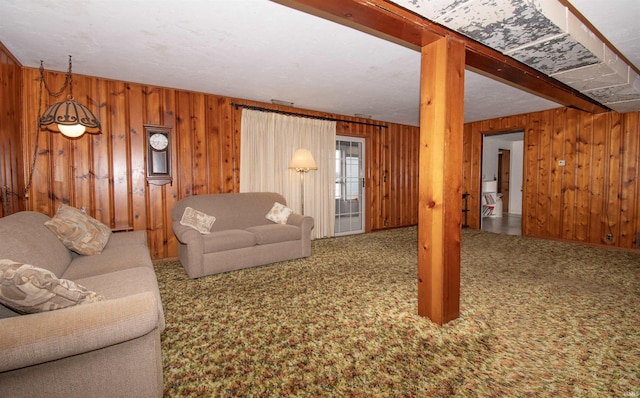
column 109, row 348
column 241, row 235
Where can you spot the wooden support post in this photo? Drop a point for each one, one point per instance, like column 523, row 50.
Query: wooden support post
column 440, row 175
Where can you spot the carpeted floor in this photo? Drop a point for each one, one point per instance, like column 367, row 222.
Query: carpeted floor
column 539, row 319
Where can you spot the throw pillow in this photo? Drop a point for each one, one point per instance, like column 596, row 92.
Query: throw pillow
column 279, row 213
column 197, row 220
column 28, row 289
column 78, row 231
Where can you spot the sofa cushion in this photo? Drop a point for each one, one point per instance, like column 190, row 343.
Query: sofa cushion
column 25, row 239
column 279, row 213
column 28, row 289
column 198, row 220
column 78, row 231
column 127, row 282
column 274, row 233
column 124, row 250
column 228, row 240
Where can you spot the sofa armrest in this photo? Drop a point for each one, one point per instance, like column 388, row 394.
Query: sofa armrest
column 186, row 235
column 36, row 338
column 304, row 222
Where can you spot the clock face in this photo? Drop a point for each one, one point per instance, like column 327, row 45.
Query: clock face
column 158, row 141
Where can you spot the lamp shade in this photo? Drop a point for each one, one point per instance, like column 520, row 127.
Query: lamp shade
column 70, row 118
column 303, row 161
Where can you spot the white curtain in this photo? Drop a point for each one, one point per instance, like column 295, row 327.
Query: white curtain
column 267, row 143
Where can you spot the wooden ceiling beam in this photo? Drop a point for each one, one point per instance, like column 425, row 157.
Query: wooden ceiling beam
column 507, row 70
column 394, row 23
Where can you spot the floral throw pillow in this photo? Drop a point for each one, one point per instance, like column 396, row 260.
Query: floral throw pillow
column 279, row 213
column 27, row 289
column 78, row 231
column 197, row 220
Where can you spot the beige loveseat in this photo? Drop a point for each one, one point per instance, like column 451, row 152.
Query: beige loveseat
column 241, row 235
column 108, row 348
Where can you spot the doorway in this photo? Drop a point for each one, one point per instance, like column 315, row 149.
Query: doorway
column 503, row 170
column 349, row 195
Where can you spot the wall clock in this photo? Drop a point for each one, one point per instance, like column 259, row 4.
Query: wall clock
column 158, row 154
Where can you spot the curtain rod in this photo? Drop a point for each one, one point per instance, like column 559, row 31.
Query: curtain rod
column 258, row 108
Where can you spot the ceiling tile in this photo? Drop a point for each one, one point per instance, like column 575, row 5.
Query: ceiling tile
column 502, row 24
column 556, row 55
column 593, row 77
column 624, row 107
column 624, row 92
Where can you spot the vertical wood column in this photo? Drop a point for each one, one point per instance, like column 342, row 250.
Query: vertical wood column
column 440, row 174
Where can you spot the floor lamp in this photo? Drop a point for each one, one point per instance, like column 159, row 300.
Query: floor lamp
column 302, row 162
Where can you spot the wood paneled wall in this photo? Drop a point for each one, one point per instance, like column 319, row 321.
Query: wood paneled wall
column 597, row 191
column 391, row 174
column 11, row 164
column 105, row 173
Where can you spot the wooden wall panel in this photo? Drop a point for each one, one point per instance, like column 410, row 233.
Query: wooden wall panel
column 583, row 153
column 11, row 171
column 472, row 178
column 100, row 164
column 570, row 173
column 374, row 174
column 184, row 146
column 597, row 191
column 629, row 180
column 399, row 179
column 543, row 183
column 612, row 204
column 555, row 204
column 597, row 172
column 116, row 159
column 531, row 177
column 135, row 158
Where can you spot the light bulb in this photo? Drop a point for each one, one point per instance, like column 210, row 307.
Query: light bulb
column 72, row 131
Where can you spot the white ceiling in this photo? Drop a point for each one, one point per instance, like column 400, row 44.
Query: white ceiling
column 261, row 50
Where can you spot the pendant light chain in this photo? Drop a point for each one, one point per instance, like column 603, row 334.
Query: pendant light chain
column 67, row 82
column 43, row 84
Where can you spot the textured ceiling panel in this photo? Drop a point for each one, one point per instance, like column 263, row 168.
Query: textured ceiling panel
column 555, row 55
column 501, row 24
column 610, row 95
column 624, row 107
column 593, row 77
column 544, row 35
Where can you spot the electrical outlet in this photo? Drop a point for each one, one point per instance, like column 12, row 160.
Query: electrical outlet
column 609, row 237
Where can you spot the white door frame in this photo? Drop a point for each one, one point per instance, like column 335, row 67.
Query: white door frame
column 360, row 214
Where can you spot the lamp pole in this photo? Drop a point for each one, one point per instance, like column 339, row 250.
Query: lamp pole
column 302, row 162
column 302, row 172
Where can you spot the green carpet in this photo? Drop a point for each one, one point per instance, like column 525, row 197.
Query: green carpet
column 539, row 319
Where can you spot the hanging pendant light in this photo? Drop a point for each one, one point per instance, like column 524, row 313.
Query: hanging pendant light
column 69, row 117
